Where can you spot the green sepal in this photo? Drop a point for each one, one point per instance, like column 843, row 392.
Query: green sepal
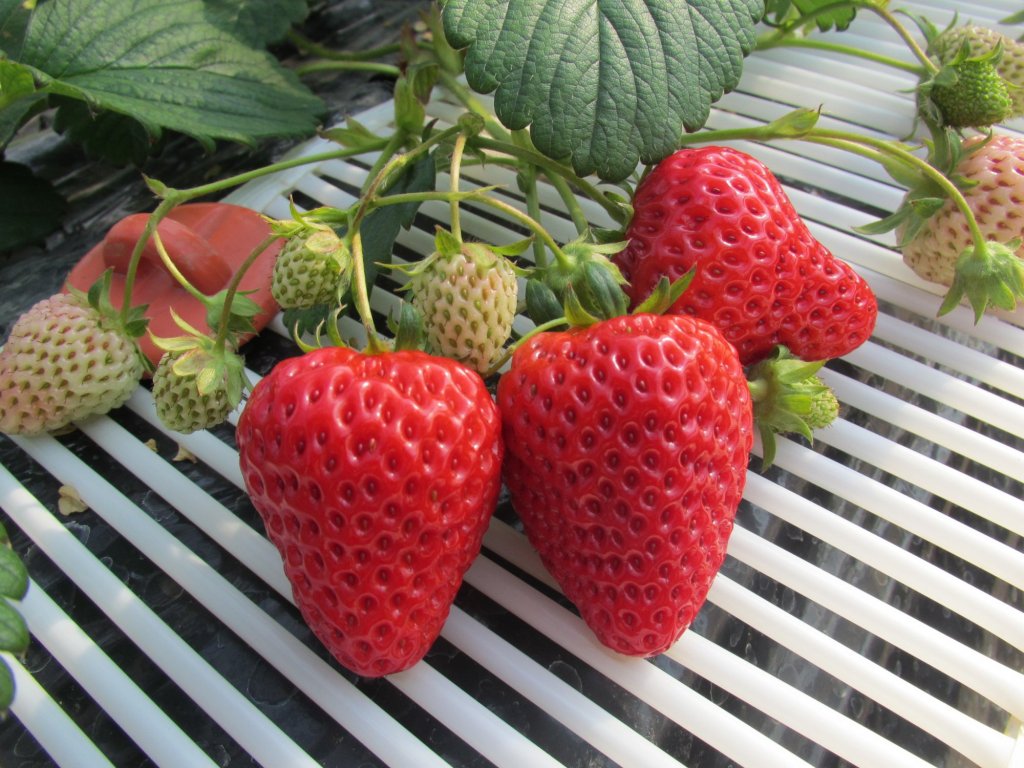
column 409, row 113
column 240, row 319
column 98, row 297
column 446, row 243
column 600, row 291
column 575, row 313
column 13, row 630
column 156, row 186
column 992, row 277
column 513, row 249
column 353, row 135
column 13, row 574
column 665, row 294
column 793, row 124
column 788, row 397
column 542, row 305
column 407, row 328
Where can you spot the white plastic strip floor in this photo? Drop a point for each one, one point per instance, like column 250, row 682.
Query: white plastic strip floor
column 870, row 611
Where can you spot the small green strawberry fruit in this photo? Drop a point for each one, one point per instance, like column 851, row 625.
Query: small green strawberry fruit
column 314, row 267
column 197, row 382
column 466, row 294
column 982, row 41
column 970, row 93
column 68, row 357
column 789, row 397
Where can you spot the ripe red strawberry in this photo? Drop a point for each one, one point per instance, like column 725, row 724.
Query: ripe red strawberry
column 376, row 476
column 626, row 455
column 760, row 276
column 68, row 357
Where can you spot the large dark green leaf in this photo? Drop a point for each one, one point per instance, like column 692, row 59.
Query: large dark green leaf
column 163, row 63
column 257, row 22
column 604, row 83
column 111, row 136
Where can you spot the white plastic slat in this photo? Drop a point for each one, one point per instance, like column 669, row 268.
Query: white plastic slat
column 144, row 722
column 49, row 724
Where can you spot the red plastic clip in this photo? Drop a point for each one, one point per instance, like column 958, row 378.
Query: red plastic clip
column 207, row 242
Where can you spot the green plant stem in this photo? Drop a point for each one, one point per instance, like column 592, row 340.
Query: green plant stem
column 469, row 100
column 843, row 140
column 874, row 6
column 510, row 350
column 303, row 43
column 388, row 152
column 455, row 170
column 571, row 203
column 552, row 168
column 165, row 207
column 361, row 294
column 849, row 50
column 336, row 65
column 171, row 267
column 232, row 289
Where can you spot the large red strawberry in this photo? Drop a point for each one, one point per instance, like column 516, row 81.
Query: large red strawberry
column 760, row 276
column 626, row 453
column 376, row 476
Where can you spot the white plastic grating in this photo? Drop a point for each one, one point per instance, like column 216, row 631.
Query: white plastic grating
column 870, row 611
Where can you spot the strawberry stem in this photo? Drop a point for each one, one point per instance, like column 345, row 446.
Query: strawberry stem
column 224, row 326
column 511, row 348
column 768, row 42
column 455, row 171
column 619, row 213
column 343, row 65
column 171, row 267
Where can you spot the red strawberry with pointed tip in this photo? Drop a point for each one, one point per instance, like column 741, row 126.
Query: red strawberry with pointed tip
column 760, row 276
column 626, row 452
column 376, row 476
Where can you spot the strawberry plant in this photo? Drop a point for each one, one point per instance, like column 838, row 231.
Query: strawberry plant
column 650, row 354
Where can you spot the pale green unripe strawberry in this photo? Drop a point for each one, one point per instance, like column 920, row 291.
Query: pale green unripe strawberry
column 467, row 301
column 824, row 406
column 179, row 404
column 977, row 98
column 64, row 360
column 312, row 268
column 196, row 383
column 983, row 41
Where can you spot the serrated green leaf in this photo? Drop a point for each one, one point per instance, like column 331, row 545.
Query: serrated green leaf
column 792, row 10
column 32, row 207
column 603, row 84
column 13, row 575
column 163, row 63
column 256, row 22
column 13, row 632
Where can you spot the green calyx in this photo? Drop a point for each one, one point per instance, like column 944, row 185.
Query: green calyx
column 789, row 397
column 584, row 281
column 213, row 367
column 989, row 276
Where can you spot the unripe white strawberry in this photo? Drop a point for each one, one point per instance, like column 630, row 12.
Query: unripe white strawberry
column 312, row 268
column 939, row 250
column 982, row 41
column 997, row 201
column 467, row 301
column 64, row 360
column 197, row 382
